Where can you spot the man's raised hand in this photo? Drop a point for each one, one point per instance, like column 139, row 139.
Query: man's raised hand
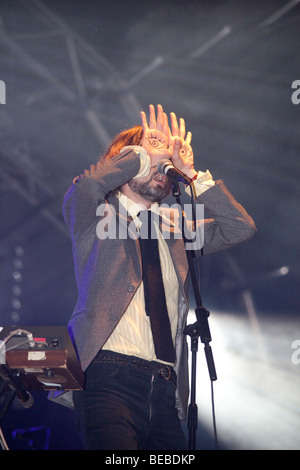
column 156, row 135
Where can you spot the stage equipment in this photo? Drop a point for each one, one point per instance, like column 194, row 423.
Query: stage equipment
column 36, row 358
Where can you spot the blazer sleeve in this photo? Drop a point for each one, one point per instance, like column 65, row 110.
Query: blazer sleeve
column 226, row 222
column 90, row 189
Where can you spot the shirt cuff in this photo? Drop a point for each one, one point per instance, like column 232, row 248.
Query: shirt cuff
column 202, row 183
column 144, row 158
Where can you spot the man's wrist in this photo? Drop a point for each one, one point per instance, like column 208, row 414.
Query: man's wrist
column 201, row 182
column 192, row 174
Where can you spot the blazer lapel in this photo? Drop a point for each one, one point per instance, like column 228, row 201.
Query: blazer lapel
column 171, row 232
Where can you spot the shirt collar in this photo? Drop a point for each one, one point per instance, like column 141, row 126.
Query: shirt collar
column 133, row 208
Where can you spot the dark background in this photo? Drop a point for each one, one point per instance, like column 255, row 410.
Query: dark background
column 78, row 72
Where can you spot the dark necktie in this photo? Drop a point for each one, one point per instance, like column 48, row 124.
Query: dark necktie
column 155, row 300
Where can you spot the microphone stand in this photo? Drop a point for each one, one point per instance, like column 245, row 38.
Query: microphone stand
column 200, row 329
column 8, row 398
column 13, row 385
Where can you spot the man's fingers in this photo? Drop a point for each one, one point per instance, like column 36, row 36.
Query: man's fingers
column 176, row 149
column 182, row 128
column 144, row 121
column 166, row 129
column 189, row 138
column 160, row 124
column 174, row 124
column 152, row 119
column 160, row 118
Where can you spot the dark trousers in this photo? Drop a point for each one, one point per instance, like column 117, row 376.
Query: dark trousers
column 123, row 408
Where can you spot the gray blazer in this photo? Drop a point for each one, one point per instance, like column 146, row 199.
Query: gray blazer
column 108, row 271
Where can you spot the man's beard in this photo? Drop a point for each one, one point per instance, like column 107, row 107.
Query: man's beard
column 150, row 193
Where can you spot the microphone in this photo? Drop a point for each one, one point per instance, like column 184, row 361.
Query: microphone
column 165, row 167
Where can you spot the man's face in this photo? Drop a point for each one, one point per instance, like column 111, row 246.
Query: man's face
column 152, row 188
column 155, row 187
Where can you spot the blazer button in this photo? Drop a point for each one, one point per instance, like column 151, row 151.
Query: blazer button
column 113, row 317
column 130, row 288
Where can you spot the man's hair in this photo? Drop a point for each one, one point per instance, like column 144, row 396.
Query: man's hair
column 131, row 136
